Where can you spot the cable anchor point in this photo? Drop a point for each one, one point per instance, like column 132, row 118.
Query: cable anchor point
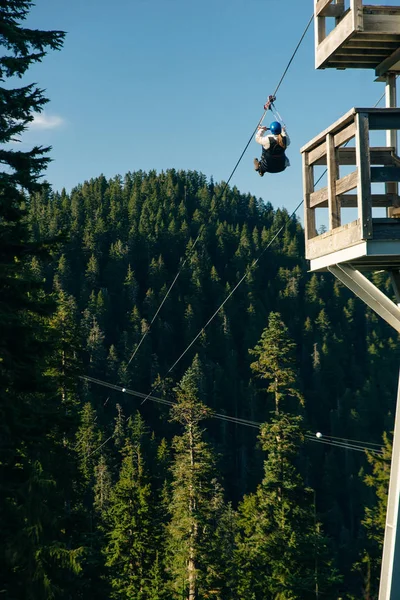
column 270, row 101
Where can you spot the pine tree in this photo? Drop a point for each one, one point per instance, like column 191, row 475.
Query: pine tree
column 196, row 503
column 375, row 520
column 275, row 361
column 131, row 525
column 35, row 559
column 281, row 551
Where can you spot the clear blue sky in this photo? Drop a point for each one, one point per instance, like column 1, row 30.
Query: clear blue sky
column 156, row 84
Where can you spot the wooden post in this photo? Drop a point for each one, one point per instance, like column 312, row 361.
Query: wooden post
column 340, row 4
column 333, row 176
column 308, row 186
column 364, row 175
column 391, row 134
column 356, row 6
column 320, row 27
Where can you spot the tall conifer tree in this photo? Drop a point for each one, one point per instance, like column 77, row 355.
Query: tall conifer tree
column 34, row 552
column 196, row 504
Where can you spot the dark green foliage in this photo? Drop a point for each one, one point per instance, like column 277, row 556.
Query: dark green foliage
column 132, row 528
column 127, row 239
column 374, row 520
column 196, row 533
column 37, row 559
column 281, row 552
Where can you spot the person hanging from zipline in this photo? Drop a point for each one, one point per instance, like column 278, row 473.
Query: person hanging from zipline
column 273, row 157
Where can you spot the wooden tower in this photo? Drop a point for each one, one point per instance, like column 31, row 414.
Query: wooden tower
column 360, row 203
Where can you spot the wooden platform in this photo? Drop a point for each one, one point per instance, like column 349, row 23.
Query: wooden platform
column 364, row 36
column 366, row 242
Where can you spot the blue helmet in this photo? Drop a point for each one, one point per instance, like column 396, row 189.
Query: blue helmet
column 275, row 127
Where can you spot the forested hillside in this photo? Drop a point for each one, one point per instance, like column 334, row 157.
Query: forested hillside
column 191, row 469
column 142, row 527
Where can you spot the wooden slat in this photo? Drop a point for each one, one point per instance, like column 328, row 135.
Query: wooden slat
column 333, row 174
column 342, row 32
column 364, row 175
column 355, row 53
column 378, row 201
column 386, row 119
column 382, row 23
column 336, row 126
column 345, row 135
column 351, row 65
column 371, row 60
column 320, row 5
column 332, row 241
column 343, row 185
column 386, row 229
column 385, row 174
column 375, row 9
column 390, row 38
column 377, row 117
column 319, row 198
column 371, row 42
column 318, row 154
column 379, row 155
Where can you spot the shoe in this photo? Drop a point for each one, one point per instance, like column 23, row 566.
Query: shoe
column 261, row 174
column 256, row 164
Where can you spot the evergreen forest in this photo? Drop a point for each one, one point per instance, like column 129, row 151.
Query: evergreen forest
column 158, row 420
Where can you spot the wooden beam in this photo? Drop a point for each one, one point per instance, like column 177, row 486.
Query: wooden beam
column 368, row 53
column 336, row 126
column 355, row 43
column 356, row 9
column 341, row 66
column 320, row 5
column 338, row 36
column 351, row 200
column 343, row 185
column 317, row 154
column 364, row 181
column 386, row 119
column 345, row 135
column 344, row 60
column 382, row 23
column 308, row 187
column 333, row 175
column 391, row 38
column 332, row 241
column 386, row 64
column 385, row 174
column 379, row 155
column 325, row 8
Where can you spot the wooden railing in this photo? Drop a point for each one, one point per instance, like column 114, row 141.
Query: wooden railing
column 376, row 164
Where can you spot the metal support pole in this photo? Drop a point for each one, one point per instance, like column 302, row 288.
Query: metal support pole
column 395, row 279
column 389, row 588
column 369, row 294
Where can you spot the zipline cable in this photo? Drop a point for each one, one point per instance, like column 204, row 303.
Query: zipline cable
column 221, row 195
column 356, row 445
column 248, row 271
column 183, row 263
column 130, row 392
column 253, row 263
column 274, row 94
column 349, row 440
column 355, row 448
column 344, row 444
column 293, row 55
